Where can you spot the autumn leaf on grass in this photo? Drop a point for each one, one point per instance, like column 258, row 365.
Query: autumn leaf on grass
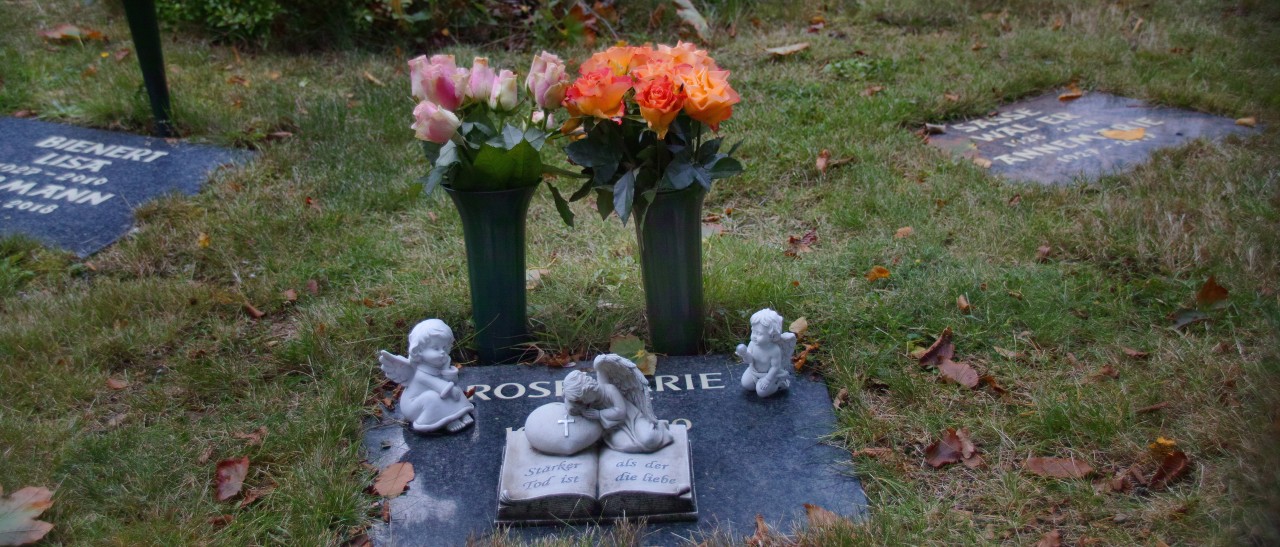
column 1211, row 293
column 799, row 245
column 1058, row 468
column 1251, row 121
column 689, row 15
column 803, row 357
column 228, row 477
column 842, row 398
column 393, row 480
column 821, row 517
column 1050, row 539
column 903, row 232
column 374, row 79
column 1042, row 253
column 632, row 347
column 1173, row 467
column 254, row 437
column 1124, row 134
column 764, row 537
column 960, row 373
column 533, row 278
column 941, row 350
column 1072, row 93
column 877, row 272
column 823, row 158
column 1134, row 353
column 799, row 326
column 1184, row 318
column 783, row 51
column 953, row 447
column 117, row 384
column 67, row 33
column 962, row 303
column 18, row 512
column 871, row 91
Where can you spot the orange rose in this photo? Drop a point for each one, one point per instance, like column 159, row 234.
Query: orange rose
column 660, row 102
column 618, row 59
column 598, row 94
column 685, row 53
column 710, row 99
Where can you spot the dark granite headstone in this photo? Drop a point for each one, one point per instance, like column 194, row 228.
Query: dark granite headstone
column 76, row 188
column 750, row 456
column 1050, row 141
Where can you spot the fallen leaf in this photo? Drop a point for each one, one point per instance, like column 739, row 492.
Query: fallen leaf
column 903, row 232
column 877, row 272
column 689, row 15
column 960, row 373
column 1042, row 253
column 962, row 302
column 799, row 326
column 977, row 46
column 820, row 517
column 252, row 311
column 1015, row 200
column 1007, row 354
column 764, row 537
column 18, row 512
column 282, row 135
column 254, row 437
column 1152, row 408
column 533, row 277
column 393, row 480
column 228, row 478
column 1057, row 23
column 871, row 91
column 953, row 447
column 313, row 287
column 1183, row 318
column 203, row 240
column 1058, row 468
column 373, row 79
column 1211, row 293
column 67, row 33
column 982, row 162
column 803, row 244
column 950, row 97
column 24, row 114
column 783, row 51
column 1072, row 93
column 1162, row 448
column 468, row 393
column 1108, row 371
column 1251, row 121
column 117, row 384
column 632, row 347
column 1050, row 539
column 990, row 381
column 89, row 71
column 204, row 456
column 1124, row 134
column 823, row 158
column 1134, row 353
column 842, row 398
column 873, row 452
column 255, row 494
column 941, row 350
column 220, row 520
column 237, row 79
column 1173, row 467
column 803, row 357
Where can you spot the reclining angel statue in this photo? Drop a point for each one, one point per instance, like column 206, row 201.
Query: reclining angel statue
column 618, row 398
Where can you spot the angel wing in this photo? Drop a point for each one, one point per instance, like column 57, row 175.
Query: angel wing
column 788, row 345
column 397, row 368
column 624, row 375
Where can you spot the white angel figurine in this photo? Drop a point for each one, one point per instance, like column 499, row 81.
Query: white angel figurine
column 618, row 398
column 768, row 356
column 431, row 400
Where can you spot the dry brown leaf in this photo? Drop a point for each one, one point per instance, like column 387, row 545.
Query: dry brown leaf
column 960, row 373
column 533, row 277
column 1058, row 468
column 1042, row 253
column 871, row 91
column 982, row 162
column 1015, row 200
column 953, row 447
column 903, row 232
column 374, row 79
column 763, row 537
column 941, row 350
column 1149, row 409
column 950, row 97
column 1108, row 371
column 290, row 295
column 799, row 326
column 783, row 51
column 393, row 480
column 117, row 384
column 990, row 381
column 820, row 517
column 799, row 245
column 65, row 33
column 874, row 452
column 1050, row 539
column 1211, row 293
column 1072, row 93
column 18, row 512
column 1134, row 353
column 803, row 357
column 252, row 311
column 689, row 15
column 1124, row 134
column 203, row 240
column 1174, row 466
column 842, row 398
column 228, row 477
column 962, row 302
column 237, row 79
column 977, row 46
column 1251, row 121
column 255, row 494
column 1057, row 23
column 254, row 437
column 1008, row 354
column 877, row 272
column 824, row 157
column 313, row 287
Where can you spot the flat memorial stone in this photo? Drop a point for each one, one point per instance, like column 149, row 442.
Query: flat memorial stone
column 750, row 455
column 76, row 188
column 1050, row 141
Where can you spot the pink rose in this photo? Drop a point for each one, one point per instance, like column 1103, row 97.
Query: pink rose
column 434, row 124
column 438, row 80
column 480, row 85
column 503, row 95
column 547, row 80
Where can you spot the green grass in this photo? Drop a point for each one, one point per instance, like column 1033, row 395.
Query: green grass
column 134, row 466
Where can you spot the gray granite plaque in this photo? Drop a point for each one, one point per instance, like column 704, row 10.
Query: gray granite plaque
column 76, row 188
column 1050, row 141
column 749, row 455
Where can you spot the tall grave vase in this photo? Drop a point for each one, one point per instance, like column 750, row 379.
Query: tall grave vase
column 669, row 231
column 493, row 229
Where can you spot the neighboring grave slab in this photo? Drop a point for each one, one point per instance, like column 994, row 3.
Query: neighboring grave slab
column 749, row 455
column 76, row 188
column 1050, row 141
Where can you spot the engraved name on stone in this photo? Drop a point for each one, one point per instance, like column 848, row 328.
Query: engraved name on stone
column 548, row 388
column 67, row 163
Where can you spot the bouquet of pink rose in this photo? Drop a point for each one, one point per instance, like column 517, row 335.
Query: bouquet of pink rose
column 474, row 131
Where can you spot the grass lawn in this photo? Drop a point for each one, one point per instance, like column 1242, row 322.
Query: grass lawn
column 333, row 203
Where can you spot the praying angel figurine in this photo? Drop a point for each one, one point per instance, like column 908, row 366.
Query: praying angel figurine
column 431, row 401
column 768, row 356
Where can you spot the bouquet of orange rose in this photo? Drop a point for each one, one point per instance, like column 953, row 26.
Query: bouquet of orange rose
column 640, row 116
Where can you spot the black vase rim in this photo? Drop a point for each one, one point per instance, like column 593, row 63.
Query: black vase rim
column 490, row 192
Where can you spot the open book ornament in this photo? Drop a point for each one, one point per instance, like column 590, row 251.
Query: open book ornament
column 431, row 400
column 601, row 454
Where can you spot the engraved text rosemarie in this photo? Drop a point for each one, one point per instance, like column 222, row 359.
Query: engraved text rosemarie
column 549, row 389
column 65, row 171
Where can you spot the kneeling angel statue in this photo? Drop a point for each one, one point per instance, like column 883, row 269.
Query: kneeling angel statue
column 768, row 356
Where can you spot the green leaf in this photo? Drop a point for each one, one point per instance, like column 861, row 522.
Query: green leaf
column 601, row 175
column 448, row 155
column 623, row 191
column 434, row 178
column 593, row 152
column 511, row 136
column 708, row 149
column 562, row 206
column 536, row 137
column 680, row 174
column 582, row 191
column 604, row 202
column 498, row 169
column 553, row 170
column 432, row 150
column 724, row 167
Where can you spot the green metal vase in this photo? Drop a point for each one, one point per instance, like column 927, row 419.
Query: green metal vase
column 493, row 228
column 669, row 231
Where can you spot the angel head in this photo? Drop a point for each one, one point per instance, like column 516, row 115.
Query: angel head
column 429, row 344
column 766, row 326
column 581, row 388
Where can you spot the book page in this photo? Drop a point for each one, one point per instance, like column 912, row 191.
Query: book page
column 665, row 472
column 528, row 474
